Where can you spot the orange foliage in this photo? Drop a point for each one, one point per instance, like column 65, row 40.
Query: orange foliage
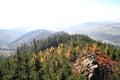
column 47, row 54
column 95, row 47
column 58, row 51
column 67, row 54
column 104, row 59
column 41, row 59
column 52, row 49
column 60, row 45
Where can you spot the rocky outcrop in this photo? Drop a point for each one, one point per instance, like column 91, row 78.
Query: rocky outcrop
column 93, row 66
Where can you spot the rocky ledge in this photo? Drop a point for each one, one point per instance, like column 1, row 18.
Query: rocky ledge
column 93, row 66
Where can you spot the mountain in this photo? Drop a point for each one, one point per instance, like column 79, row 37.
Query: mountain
column 105, row 31
column 11, row 39
column 30, row 36
column 9, row 35
column 108, row 33
column 63, row 57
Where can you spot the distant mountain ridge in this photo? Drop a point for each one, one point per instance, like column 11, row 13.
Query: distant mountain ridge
column 7, row 49
column 28, row 37
column 108, row 33
column 9, row 35
column 105, row 31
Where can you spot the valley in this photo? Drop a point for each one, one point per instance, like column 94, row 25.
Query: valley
column 106, row 32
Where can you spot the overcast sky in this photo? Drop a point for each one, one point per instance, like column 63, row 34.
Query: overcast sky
column 55, row 13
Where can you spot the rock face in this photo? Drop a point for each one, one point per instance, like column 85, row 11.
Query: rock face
column 93, row 66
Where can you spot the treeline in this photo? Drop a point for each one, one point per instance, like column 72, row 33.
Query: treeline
column 54, row 41
column 50, row 59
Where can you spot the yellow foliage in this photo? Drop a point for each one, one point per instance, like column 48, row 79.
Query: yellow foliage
column 87, row 47
column 67, row 54
column 52, row 49
column 60, row 45
column 41, row 59
column 58, row 51
column 47, row 53
column 77, row 49
column 84, row 52
column 95, row 47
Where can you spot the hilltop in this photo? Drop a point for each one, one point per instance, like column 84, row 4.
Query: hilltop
column 63, row 57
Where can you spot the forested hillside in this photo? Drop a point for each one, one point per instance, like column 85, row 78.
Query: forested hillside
column 55, row 58
column 11, row 39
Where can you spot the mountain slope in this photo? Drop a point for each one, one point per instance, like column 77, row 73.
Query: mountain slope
column 69, row 57
column 9, row 35
column 108, row 32
column 28, row 37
